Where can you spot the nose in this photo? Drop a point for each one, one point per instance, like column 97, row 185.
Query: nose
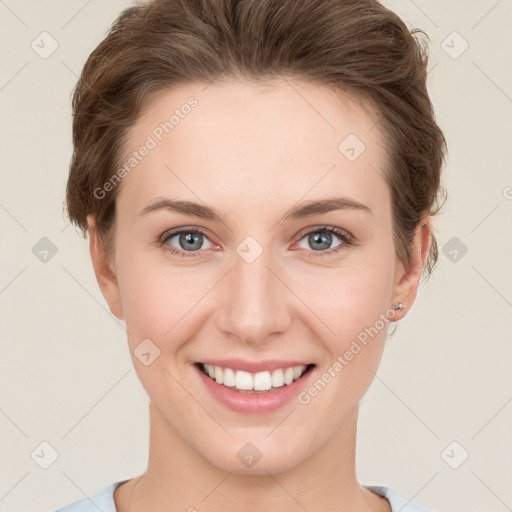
column 252, row 301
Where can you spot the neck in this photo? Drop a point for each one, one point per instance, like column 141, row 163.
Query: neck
column 178, row 478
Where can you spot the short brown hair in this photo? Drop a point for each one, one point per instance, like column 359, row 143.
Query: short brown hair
column 355, row 46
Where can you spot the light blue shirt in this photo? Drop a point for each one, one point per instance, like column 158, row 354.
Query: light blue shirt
column 103, row 500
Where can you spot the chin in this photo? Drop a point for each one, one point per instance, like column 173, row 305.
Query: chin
column 255, row 458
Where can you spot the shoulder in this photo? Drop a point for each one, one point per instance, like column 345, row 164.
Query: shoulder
column 396, row 501
column 102, row 499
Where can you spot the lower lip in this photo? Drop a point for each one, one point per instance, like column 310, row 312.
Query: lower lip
column 254, row 403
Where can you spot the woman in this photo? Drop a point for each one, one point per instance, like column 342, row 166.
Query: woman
column 257, row 180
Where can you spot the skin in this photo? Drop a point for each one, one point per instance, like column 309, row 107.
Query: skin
column 252, row 151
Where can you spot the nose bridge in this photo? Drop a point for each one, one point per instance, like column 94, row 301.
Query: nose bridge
column 253, row 301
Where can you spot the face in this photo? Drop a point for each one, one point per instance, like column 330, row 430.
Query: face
column 255, row 277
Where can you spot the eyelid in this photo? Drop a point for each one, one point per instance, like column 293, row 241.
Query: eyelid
column 325, row 227
column 171, row 233
column 176, row 231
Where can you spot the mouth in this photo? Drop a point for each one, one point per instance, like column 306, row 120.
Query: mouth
column 266, row 381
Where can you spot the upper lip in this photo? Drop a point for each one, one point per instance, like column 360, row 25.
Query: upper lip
column 254, row 366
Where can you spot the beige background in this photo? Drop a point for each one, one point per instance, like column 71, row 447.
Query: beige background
column 66, row 377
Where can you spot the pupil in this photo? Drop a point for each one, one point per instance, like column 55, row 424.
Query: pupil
column 189, row 240
column 324, row 238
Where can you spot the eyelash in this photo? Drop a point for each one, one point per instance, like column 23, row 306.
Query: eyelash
column 344, row 236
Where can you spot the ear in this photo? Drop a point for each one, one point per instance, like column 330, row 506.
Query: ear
column 407, row 280
column 104, row 270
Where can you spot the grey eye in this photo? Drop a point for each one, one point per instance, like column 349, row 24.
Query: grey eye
column 189, row 240
column 320, row 239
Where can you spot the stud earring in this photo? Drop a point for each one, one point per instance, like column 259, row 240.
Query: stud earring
column 398, row 305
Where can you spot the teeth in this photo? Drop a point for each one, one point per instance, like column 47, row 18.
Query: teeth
column 261, row 381
column 288, row 375
column 229, row 378
column 278, row 378
column 243, row 380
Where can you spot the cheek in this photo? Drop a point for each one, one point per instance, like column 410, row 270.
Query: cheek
column 160, row 301
column 350, row 298
column 354, row 309
column 163, row 301
column 161, row 306
column 352, row 303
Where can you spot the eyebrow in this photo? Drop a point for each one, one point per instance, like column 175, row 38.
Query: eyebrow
column 300, row 211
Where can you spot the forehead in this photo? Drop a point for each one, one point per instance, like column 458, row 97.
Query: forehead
column 240, row 139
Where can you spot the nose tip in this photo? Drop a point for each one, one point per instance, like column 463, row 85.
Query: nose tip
column 252, row 302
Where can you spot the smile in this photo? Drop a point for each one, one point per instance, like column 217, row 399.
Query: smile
column 259, row 382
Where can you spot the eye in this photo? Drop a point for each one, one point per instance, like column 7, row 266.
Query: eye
column 189, row 242
column 186, row 240
column 321, row 238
